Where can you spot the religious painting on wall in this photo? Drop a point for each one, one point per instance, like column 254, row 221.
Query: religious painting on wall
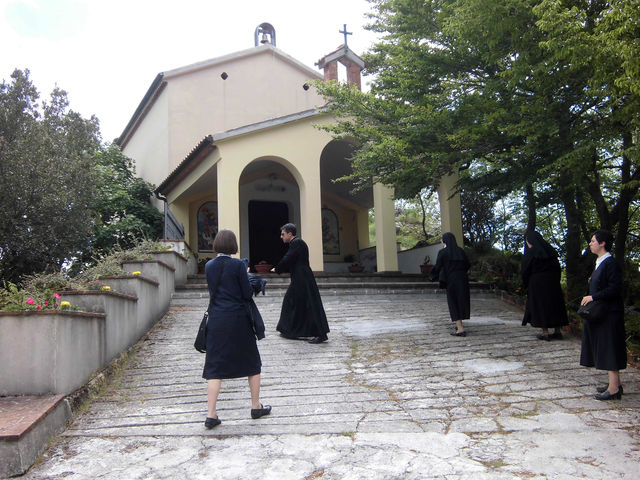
column 330, row 233
column 207, row 226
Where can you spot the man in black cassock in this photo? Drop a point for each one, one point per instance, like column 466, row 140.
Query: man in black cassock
column 302, row 312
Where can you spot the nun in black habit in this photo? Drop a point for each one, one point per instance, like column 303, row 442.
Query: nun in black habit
column 540, row 271
column 302, row 313
column 451, row 270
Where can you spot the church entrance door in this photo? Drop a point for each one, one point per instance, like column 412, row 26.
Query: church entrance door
column 265, row 220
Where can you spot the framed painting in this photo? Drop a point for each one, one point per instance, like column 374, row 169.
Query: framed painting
column 330, row 233
column 207, row 226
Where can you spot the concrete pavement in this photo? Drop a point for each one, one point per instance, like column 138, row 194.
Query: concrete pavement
column 391, row 396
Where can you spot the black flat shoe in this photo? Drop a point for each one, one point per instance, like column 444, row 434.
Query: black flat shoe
column 555, row 336
column 459, row 334
column 212, row 422
column 260, row 412
column 543, row 336
column 609, row 396
column 320, row 339
column 604, row 388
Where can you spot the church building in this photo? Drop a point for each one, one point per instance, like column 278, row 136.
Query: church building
column 232, row 142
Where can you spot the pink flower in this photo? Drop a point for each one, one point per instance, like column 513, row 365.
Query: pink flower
column 38, row 307
column 56, row 296
column 30, row 301
column 46, row 304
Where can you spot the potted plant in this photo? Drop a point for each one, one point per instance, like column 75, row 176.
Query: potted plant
column 355, row 267
column 263, row 267
column 425, row 267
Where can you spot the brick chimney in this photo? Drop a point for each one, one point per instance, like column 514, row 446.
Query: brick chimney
column 354, row 64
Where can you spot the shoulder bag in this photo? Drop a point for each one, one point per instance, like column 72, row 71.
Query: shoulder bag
column 594, row 311
column 201, row 337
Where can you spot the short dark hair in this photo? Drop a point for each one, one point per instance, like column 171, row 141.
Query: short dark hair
column 289, row 228
column 604, row 236
column 225, row 242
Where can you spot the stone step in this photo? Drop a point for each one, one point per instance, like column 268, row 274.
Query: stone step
column 322, row 277
column 336, row 285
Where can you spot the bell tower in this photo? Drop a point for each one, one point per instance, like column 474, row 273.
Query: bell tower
column 344, row 55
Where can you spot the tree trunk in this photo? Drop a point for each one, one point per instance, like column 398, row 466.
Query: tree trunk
column 531, row 207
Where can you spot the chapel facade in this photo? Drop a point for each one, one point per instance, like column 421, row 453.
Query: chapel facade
column 232, row 142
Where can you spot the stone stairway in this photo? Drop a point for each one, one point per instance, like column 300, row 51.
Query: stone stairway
column 329, row 284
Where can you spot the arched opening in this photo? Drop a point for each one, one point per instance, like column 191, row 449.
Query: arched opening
column 269, row 198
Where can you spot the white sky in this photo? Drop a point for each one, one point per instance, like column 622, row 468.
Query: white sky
column 106, row 53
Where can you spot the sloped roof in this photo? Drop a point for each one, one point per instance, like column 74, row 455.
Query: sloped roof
column 208, row 144
column 161, row 79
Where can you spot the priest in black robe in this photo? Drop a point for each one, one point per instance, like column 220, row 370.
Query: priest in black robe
column 540, row 271
column 302, row 313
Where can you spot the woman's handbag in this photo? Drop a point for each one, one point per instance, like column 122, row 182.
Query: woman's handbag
column 594, row 311
column 201, row 338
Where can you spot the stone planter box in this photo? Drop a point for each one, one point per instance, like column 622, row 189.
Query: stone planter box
column 182, row 248
column 148, row 310
column 175, row 261
column 162, row 274
column 49, row 351
column 121, row 327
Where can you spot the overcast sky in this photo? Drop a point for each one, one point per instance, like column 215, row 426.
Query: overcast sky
column 106, row 53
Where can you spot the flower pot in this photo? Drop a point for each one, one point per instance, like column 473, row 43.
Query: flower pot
column 263, row 267
column 356, row 268
column 425, row 269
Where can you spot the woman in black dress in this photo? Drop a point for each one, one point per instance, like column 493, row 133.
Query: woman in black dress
column 232, row 351
column 603, row 341
column 541, row 277
column 451, row 270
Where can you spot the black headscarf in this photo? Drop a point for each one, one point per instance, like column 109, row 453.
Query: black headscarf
column 539, row 247
column 454, row 252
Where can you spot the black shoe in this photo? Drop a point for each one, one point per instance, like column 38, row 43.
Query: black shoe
column 609, row 396
column 212, row 422
column 543, row 336
column 555, row 336
column 459, row 334
column 260, row 412
column 606, row 387
column 320, row 339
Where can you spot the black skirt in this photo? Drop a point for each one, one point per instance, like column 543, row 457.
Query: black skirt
column 604, row 343
column 232, row 351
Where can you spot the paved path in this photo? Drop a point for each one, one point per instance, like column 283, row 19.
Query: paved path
column 391, row 396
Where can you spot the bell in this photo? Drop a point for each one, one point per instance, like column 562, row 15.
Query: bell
column 265, row 38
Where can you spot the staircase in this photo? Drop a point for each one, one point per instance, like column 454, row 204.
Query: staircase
column 329, row 284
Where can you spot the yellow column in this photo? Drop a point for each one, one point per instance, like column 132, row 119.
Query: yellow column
column 229, row 197
column 450, row 209
column 362, row 222
column 311, row 221
column 386, row 250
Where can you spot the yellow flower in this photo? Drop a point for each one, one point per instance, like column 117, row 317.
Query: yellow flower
column 65, row 304
column 106, row 287
column 136, row 273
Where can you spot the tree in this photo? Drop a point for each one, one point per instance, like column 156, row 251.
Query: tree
column 46, row 178
column 124, row 214
column 533, row 97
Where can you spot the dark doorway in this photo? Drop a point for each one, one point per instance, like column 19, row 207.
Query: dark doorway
column 265, row 220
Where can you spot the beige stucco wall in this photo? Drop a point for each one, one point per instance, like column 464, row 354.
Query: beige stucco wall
column 259, row 86
column 297, row 146
column 149, row 147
